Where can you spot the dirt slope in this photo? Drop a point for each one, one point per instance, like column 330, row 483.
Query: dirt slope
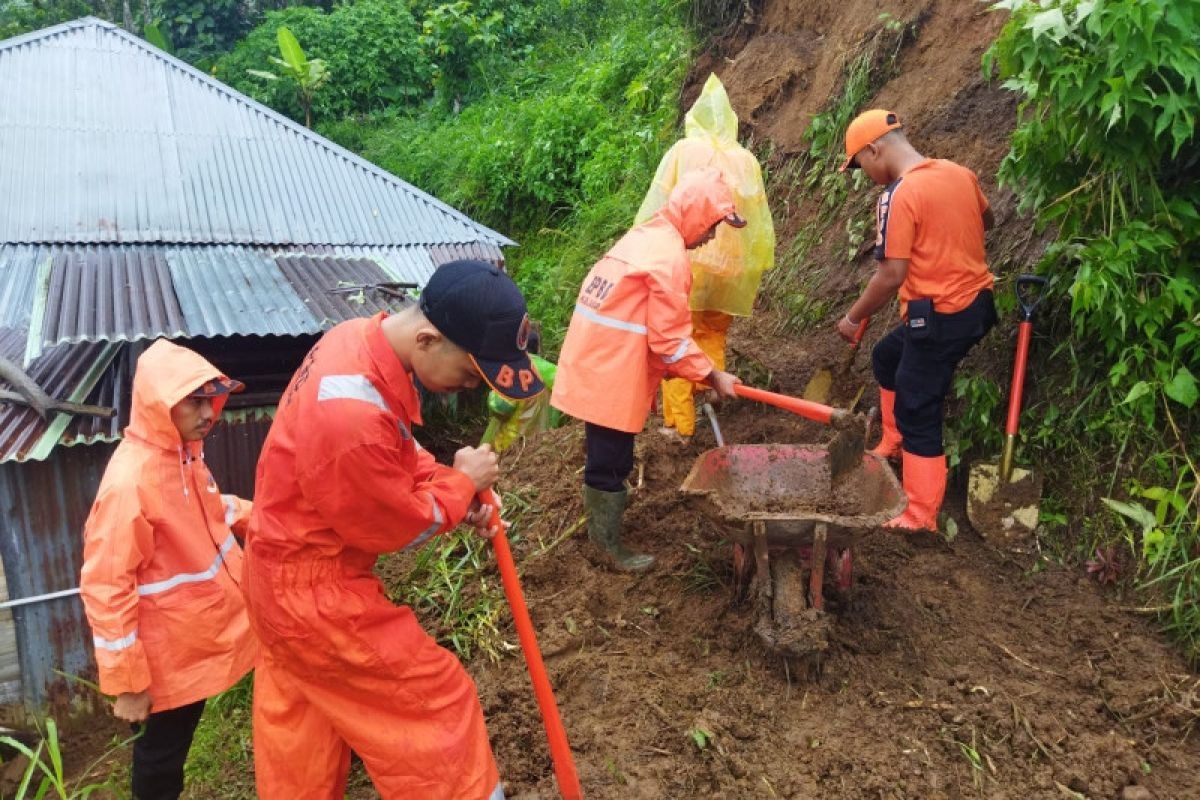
column 953, row 670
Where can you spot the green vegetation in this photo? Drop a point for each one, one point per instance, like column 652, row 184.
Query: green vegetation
column 44, row 776
column 809, row 186
column 557, row 150
column 1107, row 152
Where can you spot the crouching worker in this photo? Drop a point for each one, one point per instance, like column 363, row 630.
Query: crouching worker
column 162, row 570
column 931, row 220
column 340, row 481
column 509, row 420
column 631, row 328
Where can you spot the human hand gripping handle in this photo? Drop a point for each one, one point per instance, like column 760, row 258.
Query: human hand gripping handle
column 723, row 383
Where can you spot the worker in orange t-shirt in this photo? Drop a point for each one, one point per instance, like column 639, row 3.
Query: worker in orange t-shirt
column 929, row 243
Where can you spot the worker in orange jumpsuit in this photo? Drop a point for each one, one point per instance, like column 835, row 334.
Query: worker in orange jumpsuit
column 161, row 568
column 340, row 481
column 727, row 271
column 631, row 328
column 931, row 219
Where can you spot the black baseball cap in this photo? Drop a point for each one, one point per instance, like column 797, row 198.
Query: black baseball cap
column 217, row 387
column 477, row 306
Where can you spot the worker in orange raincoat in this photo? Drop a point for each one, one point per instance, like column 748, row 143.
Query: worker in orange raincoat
column 341, row 480
column 161, row 568
column 726, row 272
column 630, row 329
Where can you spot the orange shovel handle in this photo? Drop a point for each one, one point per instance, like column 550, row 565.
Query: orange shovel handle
column 805, row 408
column 556, row 734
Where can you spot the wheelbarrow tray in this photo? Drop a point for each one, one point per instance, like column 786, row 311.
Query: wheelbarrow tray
column 788, row 489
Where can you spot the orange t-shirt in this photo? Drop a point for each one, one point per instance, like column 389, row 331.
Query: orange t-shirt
column 932, row 215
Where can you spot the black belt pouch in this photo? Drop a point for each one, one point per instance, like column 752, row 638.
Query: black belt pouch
column 920, row 319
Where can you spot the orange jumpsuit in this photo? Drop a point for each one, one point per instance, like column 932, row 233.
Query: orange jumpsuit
column 340, row 481
column 631, row 325
column 161, row 567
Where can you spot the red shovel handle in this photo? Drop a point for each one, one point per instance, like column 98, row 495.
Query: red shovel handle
column 1016, row 391
column 556, row 734
column 805, row 408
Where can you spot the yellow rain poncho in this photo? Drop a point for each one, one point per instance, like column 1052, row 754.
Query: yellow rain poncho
column 726, row 272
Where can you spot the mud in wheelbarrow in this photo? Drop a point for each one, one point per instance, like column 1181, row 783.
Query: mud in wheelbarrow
column 791, row 523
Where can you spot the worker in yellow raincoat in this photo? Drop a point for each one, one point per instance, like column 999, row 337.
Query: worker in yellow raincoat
column 509, row 420
column 727, row 271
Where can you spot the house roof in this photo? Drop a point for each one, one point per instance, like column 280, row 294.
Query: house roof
column 105, row 138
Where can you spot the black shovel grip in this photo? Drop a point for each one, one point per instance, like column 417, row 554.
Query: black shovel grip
column 1027, row 296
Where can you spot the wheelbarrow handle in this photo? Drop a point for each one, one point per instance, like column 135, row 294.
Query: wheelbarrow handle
column 556, row 734
column 804, row 408
column 1028, row 297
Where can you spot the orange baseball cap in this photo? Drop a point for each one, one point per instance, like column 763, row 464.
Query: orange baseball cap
column 864, row 129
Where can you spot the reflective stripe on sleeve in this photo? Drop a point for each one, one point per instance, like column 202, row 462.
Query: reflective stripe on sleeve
column 350, row 387
column 189, row 577
column 497, row 793
column 115, row 645
column 230, row 509
column 679, row 353
column 438, row 521
column 609, row 322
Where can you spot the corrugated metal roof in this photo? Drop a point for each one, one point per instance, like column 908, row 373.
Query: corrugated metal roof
column 313, row 276
column 104, row 138
column 228, row 290
column 89, row 373
column 80, row 293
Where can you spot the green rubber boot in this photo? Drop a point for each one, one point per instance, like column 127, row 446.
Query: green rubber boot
column 604, row 510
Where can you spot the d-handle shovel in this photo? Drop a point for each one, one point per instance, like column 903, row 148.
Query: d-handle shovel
column 1028, row 298
column 556, row 734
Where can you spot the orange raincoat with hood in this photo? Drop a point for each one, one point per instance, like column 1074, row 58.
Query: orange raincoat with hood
column 161, row 568
column 632, row 326
column 340, row 481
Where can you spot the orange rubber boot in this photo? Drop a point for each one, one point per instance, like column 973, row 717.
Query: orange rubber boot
column 889, row 445
column 925, row 485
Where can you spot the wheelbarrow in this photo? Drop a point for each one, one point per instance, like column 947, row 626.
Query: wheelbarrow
column 792, row 521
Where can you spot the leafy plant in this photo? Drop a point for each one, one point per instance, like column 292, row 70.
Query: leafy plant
column 44, row 775
column 455, row 35
column 369, row 47
column 1107, row 152
column 700, row 737
column 307, row 75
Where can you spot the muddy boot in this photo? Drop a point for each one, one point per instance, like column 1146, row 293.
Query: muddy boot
column 604, row 510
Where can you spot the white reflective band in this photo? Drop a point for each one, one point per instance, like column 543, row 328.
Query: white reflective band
column 609, row 322
column 350, row 387
column 189, row 577
column 114, row 645
column 438, row 521
column 680, row 353
column 497, row 793
column 230, row 509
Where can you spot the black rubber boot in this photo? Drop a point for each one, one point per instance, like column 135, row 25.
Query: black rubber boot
column 604, row 510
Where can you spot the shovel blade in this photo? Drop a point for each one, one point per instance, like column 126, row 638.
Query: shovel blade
column 1005, row 514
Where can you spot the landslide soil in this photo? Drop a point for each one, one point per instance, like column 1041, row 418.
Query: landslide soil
column 954, row 669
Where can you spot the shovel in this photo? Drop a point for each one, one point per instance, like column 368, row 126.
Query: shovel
column 556, row 734
column 846, row 449
column 820, row 385
column 1002, row 500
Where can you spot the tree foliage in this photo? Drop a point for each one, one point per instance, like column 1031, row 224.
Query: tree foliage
column 1107, row 150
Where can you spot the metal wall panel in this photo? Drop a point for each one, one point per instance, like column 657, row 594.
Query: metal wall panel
column 43, row 506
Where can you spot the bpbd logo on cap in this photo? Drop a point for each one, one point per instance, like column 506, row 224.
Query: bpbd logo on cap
column 478, row 307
